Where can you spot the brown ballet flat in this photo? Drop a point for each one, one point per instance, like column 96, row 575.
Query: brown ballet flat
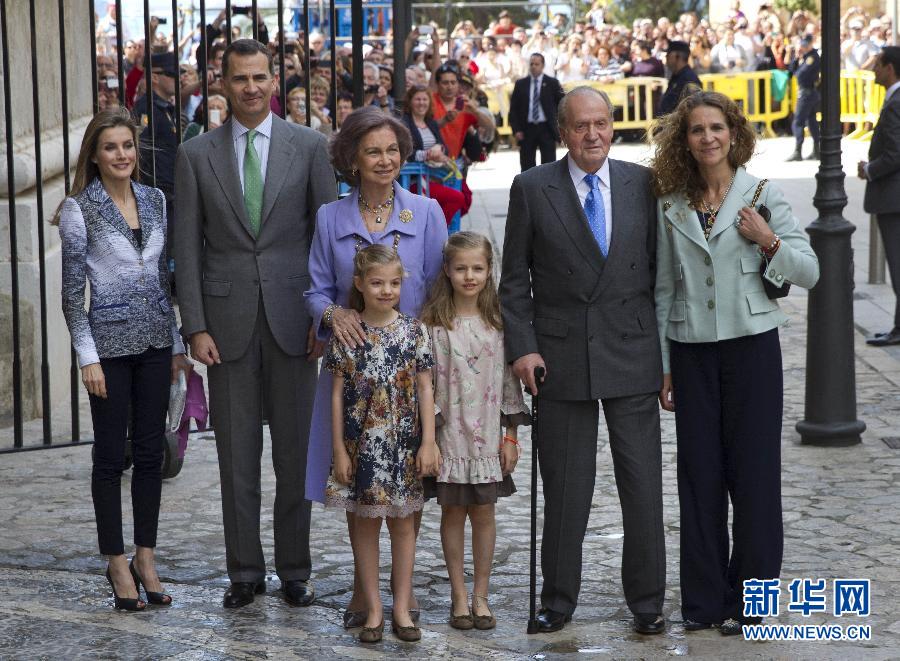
column 461, row 622
column 372, row 634
column 482, row 622
column 354, row 619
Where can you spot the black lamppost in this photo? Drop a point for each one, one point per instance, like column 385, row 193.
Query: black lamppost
column 830, row 415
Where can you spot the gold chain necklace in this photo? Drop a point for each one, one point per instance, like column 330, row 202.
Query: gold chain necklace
column 712, row 213
column 379, row 210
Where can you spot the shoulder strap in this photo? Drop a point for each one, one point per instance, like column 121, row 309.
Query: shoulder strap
column 758, row 192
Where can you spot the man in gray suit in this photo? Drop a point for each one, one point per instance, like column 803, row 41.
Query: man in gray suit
column 246, row 196
column 576, row 295
column 882, row 172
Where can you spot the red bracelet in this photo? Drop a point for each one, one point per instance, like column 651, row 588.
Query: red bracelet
column 510, row 439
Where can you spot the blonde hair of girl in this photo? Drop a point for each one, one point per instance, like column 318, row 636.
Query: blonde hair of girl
column 366, row 259
column 440, row 309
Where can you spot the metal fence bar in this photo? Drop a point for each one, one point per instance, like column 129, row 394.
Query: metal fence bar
column 95, row 84
column 356, row 27
column 332, row 21
column 307, row 68
column 148, row 92
column 228, row 22
column 177, row 52
column 120, row 65
column 282, row 83
column 254, row 18
column 42, row 265
column 74, row 372
column 13, row 239
column 203, row 65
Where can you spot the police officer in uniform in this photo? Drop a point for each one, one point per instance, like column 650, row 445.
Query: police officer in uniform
column 805, row 68
column 159, row 142
column 683, row 78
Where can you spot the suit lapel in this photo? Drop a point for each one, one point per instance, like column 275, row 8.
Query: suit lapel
column 563, row 198
column 110, row 212
column 622, row 201
column 680, row 217
column 145, row 213
column 281, row 157
column 224, row 165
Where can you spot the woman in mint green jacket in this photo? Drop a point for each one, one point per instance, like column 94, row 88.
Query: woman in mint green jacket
column 721, row 354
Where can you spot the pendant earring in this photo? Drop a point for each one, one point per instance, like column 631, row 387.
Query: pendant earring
column 354, row 171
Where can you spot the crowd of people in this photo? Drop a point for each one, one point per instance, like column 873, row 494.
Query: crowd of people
column 665, row 281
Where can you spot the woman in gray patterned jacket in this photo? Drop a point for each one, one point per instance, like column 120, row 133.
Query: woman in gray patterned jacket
column 113, row 233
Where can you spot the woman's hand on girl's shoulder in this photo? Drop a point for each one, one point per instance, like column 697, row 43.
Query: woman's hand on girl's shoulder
column 343, row 468
column 428, row 460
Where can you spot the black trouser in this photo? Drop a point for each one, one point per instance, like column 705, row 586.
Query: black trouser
column 728, row 412
column 537, row 136
column 805, row 114
column 889, row 226
column 141, row 381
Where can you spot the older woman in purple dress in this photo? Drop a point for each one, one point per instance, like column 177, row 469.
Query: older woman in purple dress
column 369, row 151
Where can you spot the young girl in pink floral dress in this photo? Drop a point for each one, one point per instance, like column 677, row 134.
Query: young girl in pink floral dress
column 476, row 395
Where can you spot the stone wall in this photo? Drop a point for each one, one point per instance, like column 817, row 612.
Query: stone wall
column 78, row 76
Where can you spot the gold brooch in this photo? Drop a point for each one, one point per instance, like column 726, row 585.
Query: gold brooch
column 406, row 216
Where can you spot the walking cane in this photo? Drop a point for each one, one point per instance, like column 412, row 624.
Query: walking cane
column 532, row 615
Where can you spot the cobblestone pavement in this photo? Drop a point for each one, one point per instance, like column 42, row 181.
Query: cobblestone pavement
column 840, row 521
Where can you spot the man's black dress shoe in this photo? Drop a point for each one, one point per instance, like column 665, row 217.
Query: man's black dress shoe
column 549, row 620
column 241, row 594
column 298, row 593
column 884, row 339
column 691, row 625
column 648, row 624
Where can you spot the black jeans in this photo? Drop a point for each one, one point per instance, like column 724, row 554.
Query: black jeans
column 140, row 382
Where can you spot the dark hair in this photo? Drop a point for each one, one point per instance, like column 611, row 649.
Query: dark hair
column 673, row 166
column 86, row 169
column 411, row 91
column 245, row 47
column 644, row 45
column 446, row 68
column 890, row 55
column 216, row 49
column 359, row 123
column 540, row 55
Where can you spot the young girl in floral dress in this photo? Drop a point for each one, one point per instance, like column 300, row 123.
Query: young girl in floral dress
column 476, row 395
column 383, row 433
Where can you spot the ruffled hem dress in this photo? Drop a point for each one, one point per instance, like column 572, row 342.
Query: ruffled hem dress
column 476, row 394
column 382, row 433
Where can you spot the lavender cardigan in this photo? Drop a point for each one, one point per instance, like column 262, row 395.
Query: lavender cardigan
column 339, row 227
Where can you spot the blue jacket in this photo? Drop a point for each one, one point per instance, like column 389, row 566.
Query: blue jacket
column 708, row 291
column 130, row 307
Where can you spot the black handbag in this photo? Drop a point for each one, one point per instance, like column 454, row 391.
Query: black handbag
column 773, row 291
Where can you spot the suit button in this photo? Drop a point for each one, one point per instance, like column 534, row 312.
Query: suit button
column 709, row 281
column 569, row 271
column 779, row 277
column 710, row 304
column 772, row 273
column 144, row 299
column 624, row 336
column 707, row 260
column 591, row 338
column 624, row 301
column 634, row 267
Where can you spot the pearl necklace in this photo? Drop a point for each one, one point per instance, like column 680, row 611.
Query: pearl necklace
column 379, row 210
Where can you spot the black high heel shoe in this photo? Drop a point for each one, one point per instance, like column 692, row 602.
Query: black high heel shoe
column 156, row 598
column 122, row 603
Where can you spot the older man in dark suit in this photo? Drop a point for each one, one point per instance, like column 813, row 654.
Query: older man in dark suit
column 532, row 114
column 882, row 172
column 577, row 298
column 248, row 193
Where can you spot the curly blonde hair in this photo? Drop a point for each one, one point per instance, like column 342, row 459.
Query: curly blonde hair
column 674, row 168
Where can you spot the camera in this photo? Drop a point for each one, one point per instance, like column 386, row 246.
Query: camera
column 372, row 89
column 425, row 29
column 460, row 102
column 245, row 11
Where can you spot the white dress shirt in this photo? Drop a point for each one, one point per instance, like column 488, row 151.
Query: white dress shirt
column 583, row 189
column 540, row 113
column 263, row 137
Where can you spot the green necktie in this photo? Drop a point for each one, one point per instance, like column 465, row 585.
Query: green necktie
column 253, row 184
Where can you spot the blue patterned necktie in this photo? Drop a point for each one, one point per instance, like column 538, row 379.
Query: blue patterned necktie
column 595, row 211
column 536, row 103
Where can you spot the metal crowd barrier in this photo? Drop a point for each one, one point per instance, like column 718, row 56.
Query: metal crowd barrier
column 754, row 92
